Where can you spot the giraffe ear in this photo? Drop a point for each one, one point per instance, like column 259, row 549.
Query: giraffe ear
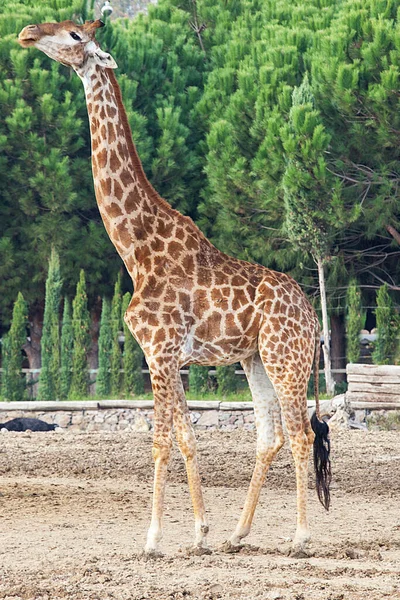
column 104, row 59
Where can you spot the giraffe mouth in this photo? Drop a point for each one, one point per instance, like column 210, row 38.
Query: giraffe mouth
column 26, row 43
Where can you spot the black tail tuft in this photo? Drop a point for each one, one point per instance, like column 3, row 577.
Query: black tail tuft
column 322, row 464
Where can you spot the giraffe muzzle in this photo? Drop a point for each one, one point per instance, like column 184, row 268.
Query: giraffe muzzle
column 28, row 36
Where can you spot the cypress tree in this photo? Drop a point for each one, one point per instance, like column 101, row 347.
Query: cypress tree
column 198, row 379
column 226, row 380
column 116, row 324
column 103, row 380
column 67, row 342
column 14, row 379
column 81, row 331
column 132, row 358
column 354, row 322
column 5, row 361
column 49, row 378
column 387, row 325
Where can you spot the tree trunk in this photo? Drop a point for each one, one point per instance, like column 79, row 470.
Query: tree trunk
column 330, row 384
column 338, row 344
column 93, row 355
column 32, row 347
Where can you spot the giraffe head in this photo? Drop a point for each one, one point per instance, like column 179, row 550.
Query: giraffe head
column 68, row 43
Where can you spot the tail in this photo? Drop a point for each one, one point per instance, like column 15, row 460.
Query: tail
column 322, row 445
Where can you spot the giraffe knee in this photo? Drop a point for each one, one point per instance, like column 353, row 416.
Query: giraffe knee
column 267, row 450
column 187, row 447
column 161, row 452
column 300, row 445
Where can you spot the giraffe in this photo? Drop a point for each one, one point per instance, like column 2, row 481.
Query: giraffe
column 193, row 304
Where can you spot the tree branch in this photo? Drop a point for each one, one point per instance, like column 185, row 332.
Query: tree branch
column 394, row 233
column 198, row 29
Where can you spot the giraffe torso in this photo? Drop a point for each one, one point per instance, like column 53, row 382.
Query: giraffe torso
column 190, row 299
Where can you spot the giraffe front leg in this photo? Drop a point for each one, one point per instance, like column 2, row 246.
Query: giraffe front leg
column 162, row 443
column 187, row 445
column 269, row 441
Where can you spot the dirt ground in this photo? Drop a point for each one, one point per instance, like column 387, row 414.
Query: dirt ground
column 75, row 507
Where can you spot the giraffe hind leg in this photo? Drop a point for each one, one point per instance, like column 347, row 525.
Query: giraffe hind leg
column 291, row 387
column 269, row 441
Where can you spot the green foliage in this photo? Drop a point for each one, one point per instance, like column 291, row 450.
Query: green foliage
column 13, row 385
column 162, row 70
column 46, row 187
column 132, row 359
column 49, row 379
column 116, row 326
column 306, row 182
column 198, row 379
column 103, row 380
column 5, row 361
column 271, row 171
column 355, row 320
column 227, row 380
column 387, row 324
column 81, row 331
column 67, row 343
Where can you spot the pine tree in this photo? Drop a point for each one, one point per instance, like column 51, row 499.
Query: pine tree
column 313, row 207
column 81, row 330
column 46, row 188
column 116, row 326
column 132, row 358
column 226, row 380
column 49, row 379
column 67, row 342
column 354, row 322
column 103, row 380
column 198, row 379
column 13, row 378
column 387, row 324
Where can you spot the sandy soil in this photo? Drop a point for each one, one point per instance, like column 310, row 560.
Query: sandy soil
column 75, row 507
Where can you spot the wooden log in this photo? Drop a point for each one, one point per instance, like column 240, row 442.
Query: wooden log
column 375, row 388
column 371, row 397
column 352, row 377
column 382, row 370
column 375, row 405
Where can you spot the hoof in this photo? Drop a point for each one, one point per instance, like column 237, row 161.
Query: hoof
column 299, row 551
column 198, row 551
column 151, row 555
column 230, row 548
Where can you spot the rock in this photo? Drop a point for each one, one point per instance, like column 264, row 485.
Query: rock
column 208, row 419
column 340, row 420
column 140, row 424
column 63, row 419
column 249, row 418
column 111, row 419
column 77, row 418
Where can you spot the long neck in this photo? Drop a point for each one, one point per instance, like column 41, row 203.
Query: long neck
column 129, row 205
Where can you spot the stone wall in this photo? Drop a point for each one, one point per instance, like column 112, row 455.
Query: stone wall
column 125, row 415
column 132, row 415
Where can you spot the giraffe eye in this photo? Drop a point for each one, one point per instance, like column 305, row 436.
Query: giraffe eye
column 75, row 36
